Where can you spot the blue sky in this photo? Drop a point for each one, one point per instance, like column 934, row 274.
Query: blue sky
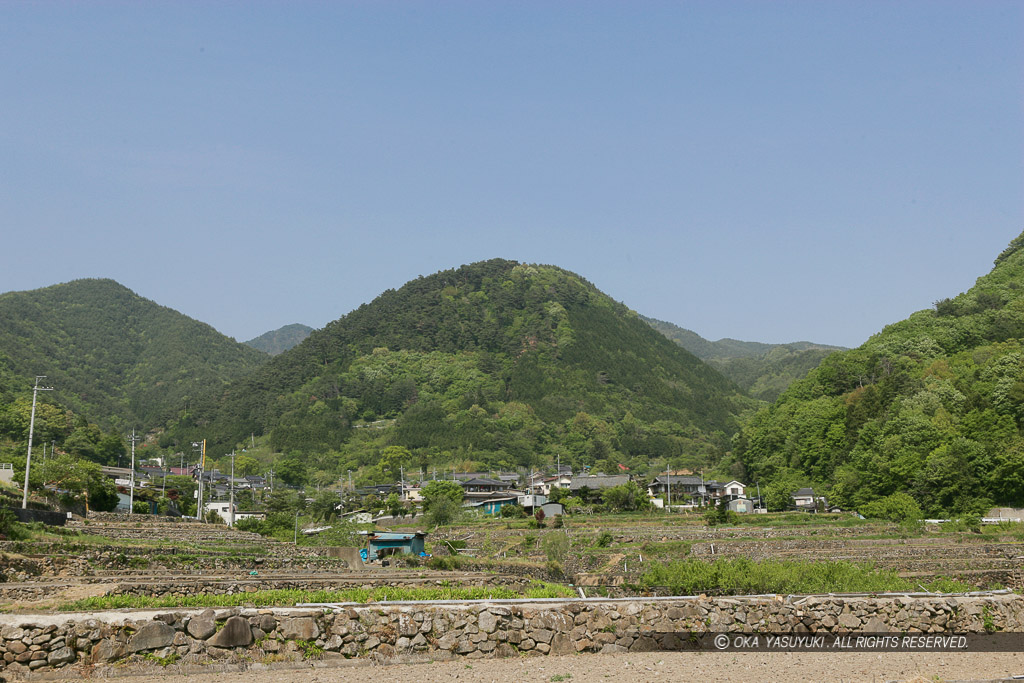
column 768, row 171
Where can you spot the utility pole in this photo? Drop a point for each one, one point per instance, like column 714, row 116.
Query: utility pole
column 231, row 487
column 401, row 472
column 31, row 428
column 131, row 481
column 199, row 498
column 668, row 487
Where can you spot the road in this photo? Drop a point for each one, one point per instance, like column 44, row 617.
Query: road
column 660, row 667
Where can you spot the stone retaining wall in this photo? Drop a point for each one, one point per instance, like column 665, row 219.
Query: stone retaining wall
column 383, row 632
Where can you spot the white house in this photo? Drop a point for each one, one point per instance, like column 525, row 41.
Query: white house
column 223, row 508
column 734, row 490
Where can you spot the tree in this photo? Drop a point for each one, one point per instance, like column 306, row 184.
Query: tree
column 627, row 497
column 110, row 448
column 325, row 506
column 777, row 494
column 78, row 479
column 286, row 500
column 394, row 505
column 443, row 511
column 291, row 469
column 392, row 459
column 245, row 464
column 899, row 507
column 438, row 490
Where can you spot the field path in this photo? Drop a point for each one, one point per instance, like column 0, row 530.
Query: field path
column 660, row 667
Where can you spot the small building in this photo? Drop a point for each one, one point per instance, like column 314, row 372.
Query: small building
column 531, row 500
column 741, row 505
column 491, row 505
column 384, row 544
column 804, row 499
column 551, row 510
column 7, row 472
column 683, row 486
column 222, row 508
column 256, row 482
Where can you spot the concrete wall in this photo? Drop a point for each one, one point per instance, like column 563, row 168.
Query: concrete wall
column 191, row 638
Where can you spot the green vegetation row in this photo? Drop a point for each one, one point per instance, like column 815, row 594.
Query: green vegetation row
column 742, row 576
column 289, row 597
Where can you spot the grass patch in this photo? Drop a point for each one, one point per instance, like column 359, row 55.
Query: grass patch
column 742, row 576
column 289, row 597
column 543, row 589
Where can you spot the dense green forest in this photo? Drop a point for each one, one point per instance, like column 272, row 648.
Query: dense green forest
column 764, row 371
column 280, row 340
column 112, row 355
column 932, row 406
column 497, row 364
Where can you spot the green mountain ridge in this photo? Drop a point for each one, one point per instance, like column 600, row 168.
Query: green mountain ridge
column 931, row 406
column 495, row 362
column 280, row 340
column 110, row 354
column 762, row 370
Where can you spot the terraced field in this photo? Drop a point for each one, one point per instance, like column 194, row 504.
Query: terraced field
column 157, row 557
column 613, row 554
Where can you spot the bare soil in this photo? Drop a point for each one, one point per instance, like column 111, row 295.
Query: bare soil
column 651, row 666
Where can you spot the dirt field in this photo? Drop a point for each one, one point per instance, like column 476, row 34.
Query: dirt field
column 654, row 667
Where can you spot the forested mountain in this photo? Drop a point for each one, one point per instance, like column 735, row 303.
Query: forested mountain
column 498, row 363
column 112, row 356
column 932, row 406
column 762, row 370
column 280, row 340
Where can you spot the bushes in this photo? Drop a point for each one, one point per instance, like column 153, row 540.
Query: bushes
column 556, row 546
column 445, row 562
column 443, row 512
column 899, row 507
column 512, row 511
column 742, row 576
column 720, row 514
column 10, row 527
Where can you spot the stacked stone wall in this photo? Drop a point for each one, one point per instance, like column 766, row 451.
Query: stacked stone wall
column 471, row 630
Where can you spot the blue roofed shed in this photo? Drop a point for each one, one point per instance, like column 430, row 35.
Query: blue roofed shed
column 391, row 544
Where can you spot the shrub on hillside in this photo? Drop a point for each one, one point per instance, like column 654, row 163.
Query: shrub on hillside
column 899, row 507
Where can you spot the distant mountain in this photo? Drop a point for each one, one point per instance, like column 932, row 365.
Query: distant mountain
column 111, row 355
column 762, row 370
column 280, row 340
column 496, row 362
column 932, row 406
